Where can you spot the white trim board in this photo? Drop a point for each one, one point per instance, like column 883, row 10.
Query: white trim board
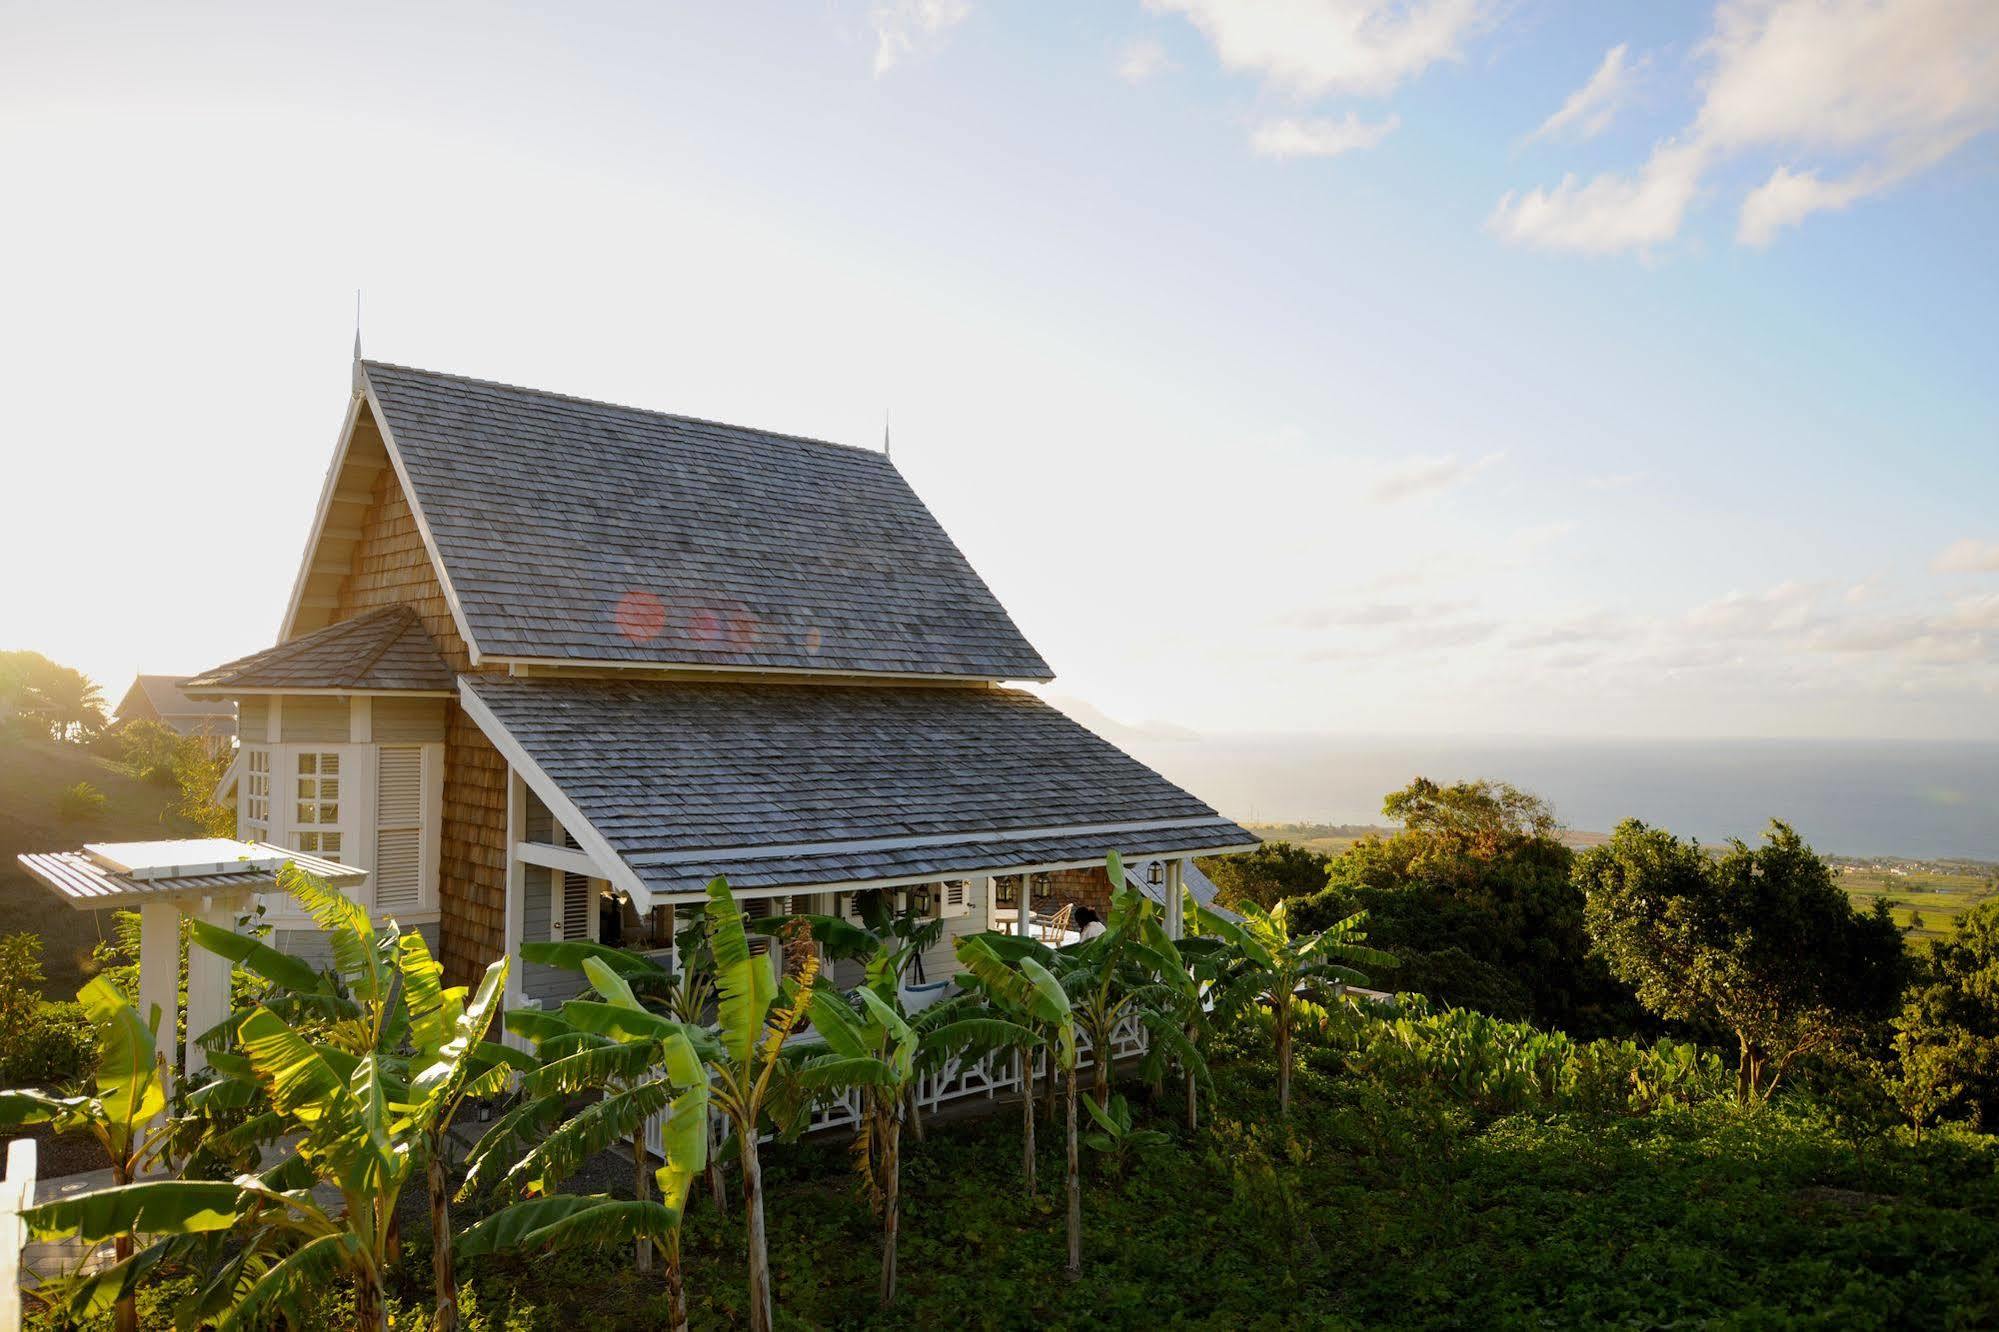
column 559, row 665
column 612, row 865
column 938, row 876
column 416, row 514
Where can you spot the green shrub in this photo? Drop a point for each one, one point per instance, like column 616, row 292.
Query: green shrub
column 20, row 984
column 80, row 802
column 56, row 1048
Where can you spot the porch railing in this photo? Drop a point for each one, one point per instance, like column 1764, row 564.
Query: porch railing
column 958, row 1080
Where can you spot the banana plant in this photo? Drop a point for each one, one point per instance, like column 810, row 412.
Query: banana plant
column 1271, row 967
column 756, row 1014
column 639, row 1064
column 1130, row 970
column 124, row 1111
column 1116, row 1137
column 872, row 1048
column 364, row 1110
column 1027, row 990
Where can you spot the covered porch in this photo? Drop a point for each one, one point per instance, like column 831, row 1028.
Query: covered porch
column 624, row 798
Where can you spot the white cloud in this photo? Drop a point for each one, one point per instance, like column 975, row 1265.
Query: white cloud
column 1143, row 59
column 1319, row 137
column 1878, row 90
column 1968, row 556
column 1592, row 107
column 1313, row 47
column 1422, row 476
column 902, row 27
column 1613, row 213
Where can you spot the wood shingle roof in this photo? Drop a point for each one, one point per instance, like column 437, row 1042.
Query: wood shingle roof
column 384, row 650
column 581, row 532
column 804, row 785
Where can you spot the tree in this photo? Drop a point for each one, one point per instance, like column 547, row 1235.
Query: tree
column 1474, row 898
column 125, row 1112
column 341, row 1077
column 1947, row 1034
column 638, row 1064
column 63, row 701
column 756, row 1013
column 1273, row 968
column 1762, row 942
column 1267, row 875
column 1030, row 991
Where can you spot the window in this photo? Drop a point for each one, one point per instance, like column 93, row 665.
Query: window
column 318, row 807
column 257, row 793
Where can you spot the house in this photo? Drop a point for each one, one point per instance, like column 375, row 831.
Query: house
column 550, row 665
column 158, row 698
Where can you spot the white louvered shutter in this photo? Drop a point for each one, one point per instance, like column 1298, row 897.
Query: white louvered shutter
column 399, row 828
column 955, row 899
column 578, row 901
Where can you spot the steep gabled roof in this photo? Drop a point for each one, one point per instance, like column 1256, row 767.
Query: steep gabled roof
column 163, row 694
column 801, row 786
column 578, row 532
column 384, row 650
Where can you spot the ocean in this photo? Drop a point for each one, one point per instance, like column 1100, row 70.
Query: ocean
column 1848, row 797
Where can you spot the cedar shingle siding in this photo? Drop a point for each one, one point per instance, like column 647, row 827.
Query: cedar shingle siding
column 392, row 568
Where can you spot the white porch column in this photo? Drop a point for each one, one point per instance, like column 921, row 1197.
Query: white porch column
column 1176, row 905
column 1024, row 896
column 159, row 972
column 207, row 981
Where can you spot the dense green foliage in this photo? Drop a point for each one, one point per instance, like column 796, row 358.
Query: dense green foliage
column 1947, row 1035
column 1382, row 1203
column 43, row 1043
column 1760, row 943
column 1474, row 898
column 1269, row 874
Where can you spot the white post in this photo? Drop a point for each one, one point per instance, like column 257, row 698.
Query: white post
column 159, row 974
column 1176, row 906
column 207, row 984
column 17, row 1193
column 1024, row 896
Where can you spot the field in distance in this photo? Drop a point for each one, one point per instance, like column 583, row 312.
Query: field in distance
column 1927, row 894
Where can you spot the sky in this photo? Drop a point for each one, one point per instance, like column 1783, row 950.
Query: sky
column 1491, row 367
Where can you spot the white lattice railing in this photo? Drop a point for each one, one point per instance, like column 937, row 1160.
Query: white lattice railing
column 958, row 1080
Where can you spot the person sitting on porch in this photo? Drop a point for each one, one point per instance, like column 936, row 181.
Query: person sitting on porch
column 1088, row 924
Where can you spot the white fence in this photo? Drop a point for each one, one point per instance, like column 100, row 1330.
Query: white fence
column 958, row 1080
column 17, row 1193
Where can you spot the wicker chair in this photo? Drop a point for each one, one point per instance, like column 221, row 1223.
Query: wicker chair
column 1055, row 926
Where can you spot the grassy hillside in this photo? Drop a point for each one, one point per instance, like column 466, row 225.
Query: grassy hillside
column 33, row 776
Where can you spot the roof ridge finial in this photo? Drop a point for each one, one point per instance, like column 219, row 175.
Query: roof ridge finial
column 357, row 340
column 885, row 452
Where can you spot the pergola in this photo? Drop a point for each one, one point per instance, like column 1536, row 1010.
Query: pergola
column 209, row 878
